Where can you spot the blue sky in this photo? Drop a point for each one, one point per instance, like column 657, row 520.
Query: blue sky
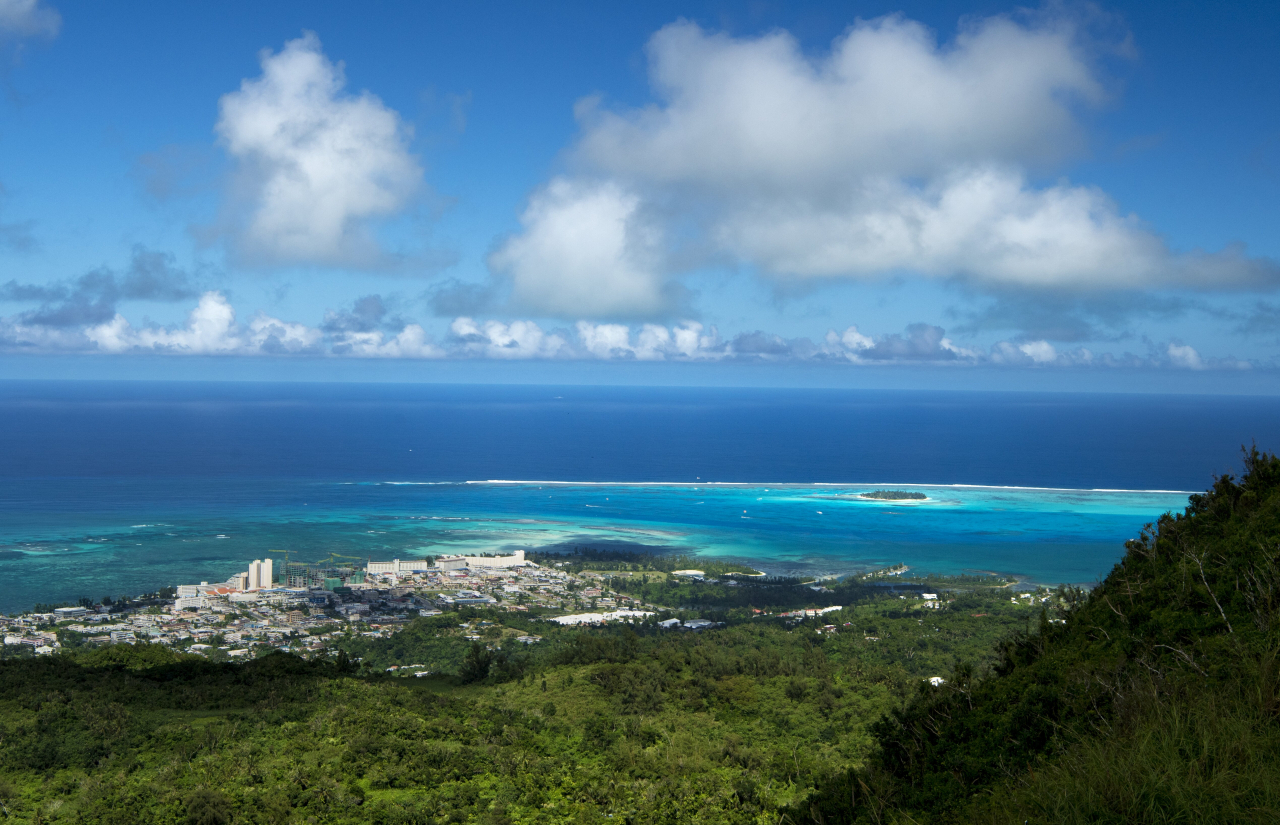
column 1067, row 196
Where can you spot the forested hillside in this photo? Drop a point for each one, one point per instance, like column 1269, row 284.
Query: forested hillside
column 1156, row 700
column 612, row 724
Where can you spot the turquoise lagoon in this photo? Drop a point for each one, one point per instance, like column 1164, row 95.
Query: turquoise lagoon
column 95, row 537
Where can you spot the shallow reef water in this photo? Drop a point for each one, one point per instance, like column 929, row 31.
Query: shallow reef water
column 127, row 541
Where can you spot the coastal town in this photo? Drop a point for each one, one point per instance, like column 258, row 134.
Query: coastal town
column 308, row 608
column 303, row 608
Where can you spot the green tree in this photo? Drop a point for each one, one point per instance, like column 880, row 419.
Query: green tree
column 208, row 807
column 476, row 664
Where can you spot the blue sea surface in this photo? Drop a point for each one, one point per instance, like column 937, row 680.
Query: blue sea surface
column 115, row 488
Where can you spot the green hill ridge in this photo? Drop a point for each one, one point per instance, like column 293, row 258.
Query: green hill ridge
column 1154, row 700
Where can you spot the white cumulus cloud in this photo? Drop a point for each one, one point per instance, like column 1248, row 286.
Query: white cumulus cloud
column 316, row 164
column 1036, row 352
column 652, row 342
column 584, row 250
column 28, row 18
column 495, row 339
column 276, row 337
column 985, row 223
column 1042, row 352
column 210, row 328
column 851, row 341
column 891, row 153
column 758, row 114
column 410, row 342
column 919, row 342
column 1182, row 355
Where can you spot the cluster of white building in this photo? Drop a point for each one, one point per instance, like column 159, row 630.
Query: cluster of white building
column 401, row 566
column 258, row 578
column 601, row 618
column 397, row 567
column 258, row 582
column 251, row 608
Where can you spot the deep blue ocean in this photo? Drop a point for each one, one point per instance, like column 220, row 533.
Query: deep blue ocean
column 115, row 488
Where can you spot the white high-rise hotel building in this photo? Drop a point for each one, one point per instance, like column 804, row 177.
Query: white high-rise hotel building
column 260, row 575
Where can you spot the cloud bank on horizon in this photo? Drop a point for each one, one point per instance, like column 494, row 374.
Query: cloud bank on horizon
column 888, row 157
column 368, row 330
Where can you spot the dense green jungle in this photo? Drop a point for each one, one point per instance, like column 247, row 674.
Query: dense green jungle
column 1155, row 698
